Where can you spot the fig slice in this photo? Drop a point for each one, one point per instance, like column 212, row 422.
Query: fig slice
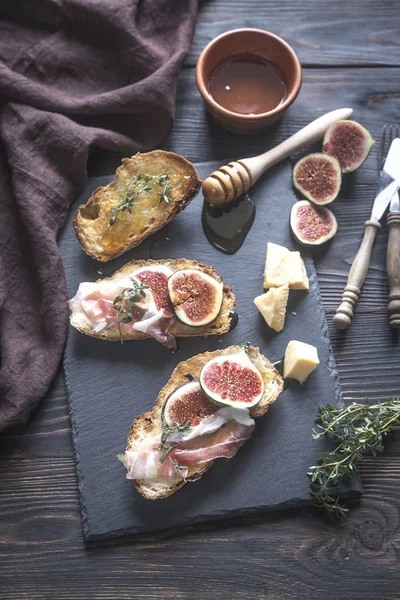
column 232, row 379
column 349, row 142
column 156, row 277
column 196, row 297
column 318, row 177
column 312, row 225
column 188, row 404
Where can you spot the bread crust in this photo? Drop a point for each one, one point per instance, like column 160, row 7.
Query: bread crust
column 90, row 225
column 149, row 423
column 219, row 326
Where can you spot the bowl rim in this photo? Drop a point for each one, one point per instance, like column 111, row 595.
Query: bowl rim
column 240, row 116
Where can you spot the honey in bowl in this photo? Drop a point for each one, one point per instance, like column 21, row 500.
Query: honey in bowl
column 247, row 84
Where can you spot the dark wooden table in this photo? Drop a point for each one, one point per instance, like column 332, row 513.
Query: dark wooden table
column 350, row 52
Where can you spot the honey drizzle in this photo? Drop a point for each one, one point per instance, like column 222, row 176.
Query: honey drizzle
column 145, row 210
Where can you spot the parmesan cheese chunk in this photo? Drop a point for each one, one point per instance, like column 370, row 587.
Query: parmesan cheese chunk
column 300, row 360
column 272, row 306
column 283, row 266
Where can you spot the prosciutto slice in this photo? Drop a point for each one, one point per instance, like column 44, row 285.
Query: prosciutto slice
column 154, row 324
column 192, row 450
column 223, row 443
column 147, row 465
column 93, row 305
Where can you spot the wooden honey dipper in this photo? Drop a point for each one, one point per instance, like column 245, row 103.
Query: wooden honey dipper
column 237, row 177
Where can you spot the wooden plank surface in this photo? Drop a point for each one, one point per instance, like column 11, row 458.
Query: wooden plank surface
column 351, row 55
column 321, row 32
column 297, row 554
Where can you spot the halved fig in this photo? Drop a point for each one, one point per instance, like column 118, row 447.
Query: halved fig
column 196, row 297
column 156, row 277
column 188, row 404
column 312, row 225
column 349, row 142
column 232, row 379
column 318, row 177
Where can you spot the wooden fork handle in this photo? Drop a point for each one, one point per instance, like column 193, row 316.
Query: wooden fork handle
column 393, row 268
column 357, row 275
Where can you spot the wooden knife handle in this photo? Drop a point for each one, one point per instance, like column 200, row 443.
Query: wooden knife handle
column 357, row 275
column 393, row 269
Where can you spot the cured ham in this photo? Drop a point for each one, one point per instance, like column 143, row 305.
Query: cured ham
column 219, row 436
column 152, row 314
column 154, row 323
column 223, row 443
column 147, row 465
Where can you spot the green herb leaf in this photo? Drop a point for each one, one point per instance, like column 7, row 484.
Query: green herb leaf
column 162, row 179
column 144, row 177
column 164, row 194
column 144, row 188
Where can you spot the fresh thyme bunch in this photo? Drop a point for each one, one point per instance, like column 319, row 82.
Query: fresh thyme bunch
column 358, row 429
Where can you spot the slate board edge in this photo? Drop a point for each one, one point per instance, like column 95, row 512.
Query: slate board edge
column 313, row 279
column 354, row 494
column 206, row 518
column 74, row 434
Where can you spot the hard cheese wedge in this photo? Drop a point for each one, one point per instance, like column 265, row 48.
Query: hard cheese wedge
column 272, row 306
column 300, row 360
column 283, row 266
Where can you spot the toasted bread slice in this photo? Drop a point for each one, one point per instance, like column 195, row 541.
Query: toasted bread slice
column 219, row 326
column 150, row 203
column 149, row 423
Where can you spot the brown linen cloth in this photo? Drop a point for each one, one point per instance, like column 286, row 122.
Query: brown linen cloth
column 73, row 73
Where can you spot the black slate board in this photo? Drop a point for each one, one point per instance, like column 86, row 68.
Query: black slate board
column 110, row 384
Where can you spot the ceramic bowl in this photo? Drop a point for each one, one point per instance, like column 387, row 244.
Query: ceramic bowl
column 250, row 41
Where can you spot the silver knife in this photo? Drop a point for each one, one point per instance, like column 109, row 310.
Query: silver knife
column 387, row 187
column 395, row 202
column 393, row 260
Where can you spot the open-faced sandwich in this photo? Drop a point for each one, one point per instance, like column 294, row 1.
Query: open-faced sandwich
column 206, row 411
column 163, row 299
column 148, row 191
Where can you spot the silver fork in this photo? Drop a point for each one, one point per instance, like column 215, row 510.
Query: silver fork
column 388, row 135
column 393, row 247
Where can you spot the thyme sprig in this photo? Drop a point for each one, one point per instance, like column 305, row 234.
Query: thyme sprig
column 165, row 448
column 139, row 184
column 143, row 180
column 163, row 182
column 358, row 429
column 124, row 304
column 127, row 199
